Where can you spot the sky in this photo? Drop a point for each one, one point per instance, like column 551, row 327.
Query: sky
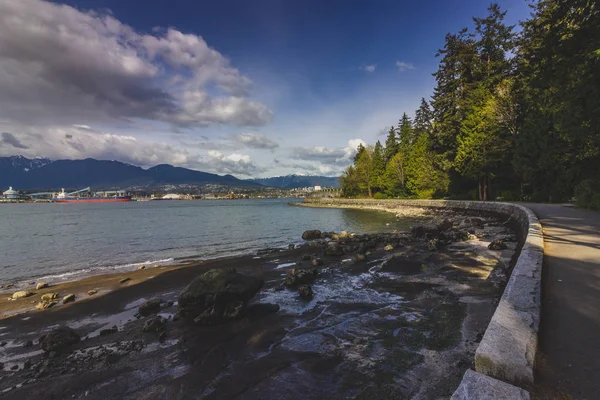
column 249, row 88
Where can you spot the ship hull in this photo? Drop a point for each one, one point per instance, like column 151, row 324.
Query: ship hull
column 93, row 200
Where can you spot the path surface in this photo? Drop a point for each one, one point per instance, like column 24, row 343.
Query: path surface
column 568, row 363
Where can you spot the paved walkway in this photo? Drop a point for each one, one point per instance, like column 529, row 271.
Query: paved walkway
column 568, row 363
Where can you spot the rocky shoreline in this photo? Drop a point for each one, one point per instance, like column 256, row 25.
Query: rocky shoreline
column 390, row 315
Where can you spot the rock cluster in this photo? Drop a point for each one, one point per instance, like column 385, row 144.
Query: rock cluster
column 217, row 296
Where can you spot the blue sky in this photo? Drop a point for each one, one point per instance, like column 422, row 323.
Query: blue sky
column 252, row 88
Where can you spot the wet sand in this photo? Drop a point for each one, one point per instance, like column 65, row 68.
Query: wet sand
column 404, row 323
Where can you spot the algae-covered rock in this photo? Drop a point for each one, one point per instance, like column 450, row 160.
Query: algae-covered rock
column 305, row 291
column 49, row 296
column 149, row 307
column 217, row 296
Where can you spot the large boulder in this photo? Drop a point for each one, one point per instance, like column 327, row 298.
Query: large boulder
column 311, row 234
column 59, row 339
column 217, row 296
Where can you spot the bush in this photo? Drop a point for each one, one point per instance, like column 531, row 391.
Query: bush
column 380, row 196
column 587, row 194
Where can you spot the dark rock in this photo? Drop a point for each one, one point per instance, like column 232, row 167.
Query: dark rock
column 109, row 331
column 334, row 249
column 154, row 324
column 170, row 303
column 497, row 245
column 59, row 339
column 361, row 257
column 260, row 310
column 27, row 364
column 266, row 251
column 477, row 222
column 28, row 343
column 306, row 257
column 2, row 344
column 217, row 296
column 162, row 337
column 316, row 262
column 291, row 246
column 126, row 279
column 150, row 307
column 444, row 225
column 305, row 291
column 68, row 298
column 14, row 367
column 434, row 244
column 300, row 276
column 311, row 234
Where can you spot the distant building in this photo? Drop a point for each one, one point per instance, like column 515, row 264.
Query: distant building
column 317, row 187
column 10, row 194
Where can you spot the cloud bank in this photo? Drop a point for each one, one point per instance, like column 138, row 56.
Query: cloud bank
column 59, row 64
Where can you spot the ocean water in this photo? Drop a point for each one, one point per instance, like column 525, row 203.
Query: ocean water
column 68, row 241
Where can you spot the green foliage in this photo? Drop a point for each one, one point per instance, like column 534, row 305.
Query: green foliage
column 380, row 196
column 587, row 194
column 515, row 117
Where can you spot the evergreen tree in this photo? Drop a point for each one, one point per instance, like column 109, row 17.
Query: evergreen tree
column 391, row 145
column 405, row 133
column 359, row 150
column 377, row 167
column 423, row 120
column 495, row 40
column 454, row 78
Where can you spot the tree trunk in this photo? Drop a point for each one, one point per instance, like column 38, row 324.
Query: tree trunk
column 485, row 188
column 369, row 189
column 480, row 194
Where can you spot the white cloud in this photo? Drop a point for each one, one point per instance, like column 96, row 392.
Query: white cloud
column 240, row 164
column 328, row 156
column 369, row 68
column 256, row 141
column 59, row 64
column 404, row 66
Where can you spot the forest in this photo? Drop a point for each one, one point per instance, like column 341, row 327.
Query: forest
column 515, row 115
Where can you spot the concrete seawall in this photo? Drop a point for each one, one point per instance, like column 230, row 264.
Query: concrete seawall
column 505, row 357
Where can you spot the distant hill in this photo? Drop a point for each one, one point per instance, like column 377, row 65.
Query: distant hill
column 41, row 173
column 295, row 181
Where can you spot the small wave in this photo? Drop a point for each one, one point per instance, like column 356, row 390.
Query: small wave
column 63, row 276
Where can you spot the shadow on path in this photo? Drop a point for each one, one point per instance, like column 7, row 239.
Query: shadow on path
column 568, row 360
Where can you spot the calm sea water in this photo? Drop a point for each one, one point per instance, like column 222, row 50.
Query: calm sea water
column 67, row 241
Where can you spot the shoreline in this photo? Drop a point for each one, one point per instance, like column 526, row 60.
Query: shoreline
column 405, row 300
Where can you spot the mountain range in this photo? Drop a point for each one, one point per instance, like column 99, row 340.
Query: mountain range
column 42, row 173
